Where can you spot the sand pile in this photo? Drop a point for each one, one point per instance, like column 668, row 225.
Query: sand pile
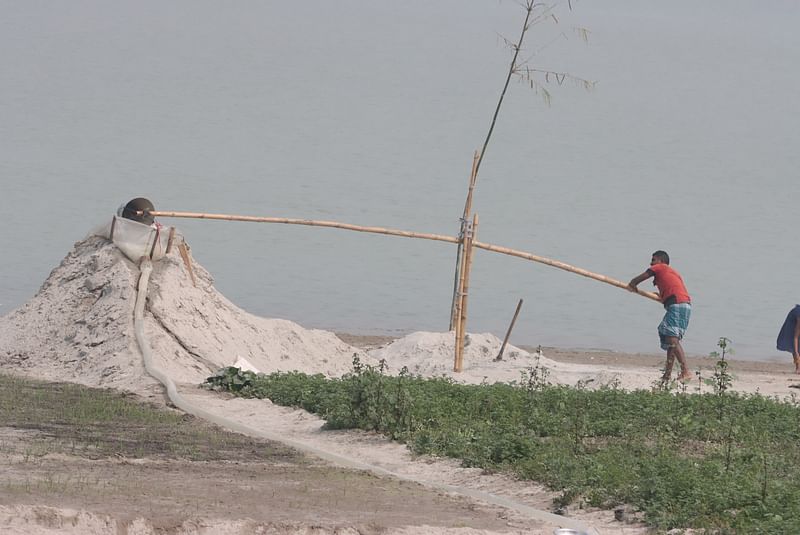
column 431, row 354
column 79, row 327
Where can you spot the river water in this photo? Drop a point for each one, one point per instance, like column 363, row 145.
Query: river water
column 368, row 112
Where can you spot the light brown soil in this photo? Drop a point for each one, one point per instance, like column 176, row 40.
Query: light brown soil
column 160, row 473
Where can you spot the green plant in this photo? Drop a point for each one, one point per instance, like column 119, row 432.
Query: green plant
column 534, row 378
column 232, row 379
column 721, row 379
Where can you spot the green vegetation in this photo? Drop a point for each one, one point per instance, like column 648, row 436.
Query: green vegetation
column 721, row 461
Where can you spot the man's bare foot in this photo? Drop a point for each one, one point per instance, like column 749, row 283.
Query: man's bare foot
column 685, row 377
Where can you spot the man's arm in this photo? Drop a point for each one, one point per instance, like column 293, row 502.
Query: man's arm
column 640, row 278
column 796, row 338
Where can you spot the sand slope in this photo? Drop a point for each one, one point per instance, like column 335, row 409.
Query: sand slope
column 79, row 327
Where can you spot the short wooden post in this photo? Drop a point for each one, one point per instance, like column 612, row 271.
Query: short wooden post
column 459, row 364
column 508, row 333
column 170, row 239
column 187, row 259
column 156, row 241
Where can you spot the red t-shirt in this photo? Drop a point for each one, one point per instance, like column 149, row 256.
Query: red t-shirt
column 670, row 284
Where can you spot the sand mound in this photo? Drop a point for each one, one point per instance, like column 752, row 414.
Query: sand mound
column 431, row 354
column 79, row 327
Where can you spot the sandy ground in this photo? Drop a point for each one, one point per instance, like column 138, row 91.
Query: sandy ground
column 80, row 328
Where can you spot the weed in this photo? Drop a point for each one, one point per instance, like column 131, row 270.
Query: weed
column 721, row 379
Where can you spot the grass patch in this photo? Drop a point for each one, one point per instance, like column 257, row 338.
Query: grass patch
column 721, row 461
column 96, row 423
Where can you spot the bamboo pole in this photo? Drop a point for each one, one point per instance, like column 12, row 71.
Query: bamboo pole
column 473, row 177
column 307, row 222
column 508, row 332
column 562, row 265
column 465, row 293
column 408, row 234
column 457, row 325
column 458, row 306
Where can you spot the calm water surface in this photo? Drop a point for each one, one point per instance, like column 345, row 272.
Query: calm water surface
column 368, row 113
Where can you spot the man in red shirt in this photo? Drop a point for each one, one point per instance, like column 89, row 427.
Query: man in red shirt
column 678, row 307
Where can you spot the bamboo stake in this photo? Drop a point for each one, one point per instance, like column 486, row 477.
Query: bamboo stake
column 459, row 297
column 465, row 293
column 156, row 241
column 473, row 177
column 508, row 333
column 409, row 234
column 184, row 250
column 170, row 239
column 458, row 335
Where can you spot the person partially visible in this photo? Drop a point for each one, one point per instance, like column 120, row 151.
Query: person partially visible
column 789, row 336
column 678, row 305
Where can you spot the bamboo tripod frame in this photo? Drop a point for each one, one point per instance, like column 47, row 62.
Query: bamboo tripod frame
column 473, row 177
column 465, row 262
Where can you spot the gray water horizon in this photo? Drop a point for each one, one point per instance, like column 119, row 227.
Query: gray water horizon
column 369, row 112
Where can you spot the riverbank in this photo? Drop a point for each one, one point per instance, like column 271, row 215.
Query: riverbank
column 634, row 370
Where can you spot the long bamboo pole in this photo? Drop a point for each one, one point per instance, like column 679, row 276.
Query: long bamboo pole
column 408, row 234
column 308, row 222
column 562, row 265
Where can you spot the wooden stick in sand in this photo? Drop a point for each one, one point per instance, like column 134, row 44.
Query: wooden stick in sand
column 461, row 273
column 409, row 234
column 508, row 333
column 462, row 320
column 170, row 239
column 459, row 294
column 187, row 260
